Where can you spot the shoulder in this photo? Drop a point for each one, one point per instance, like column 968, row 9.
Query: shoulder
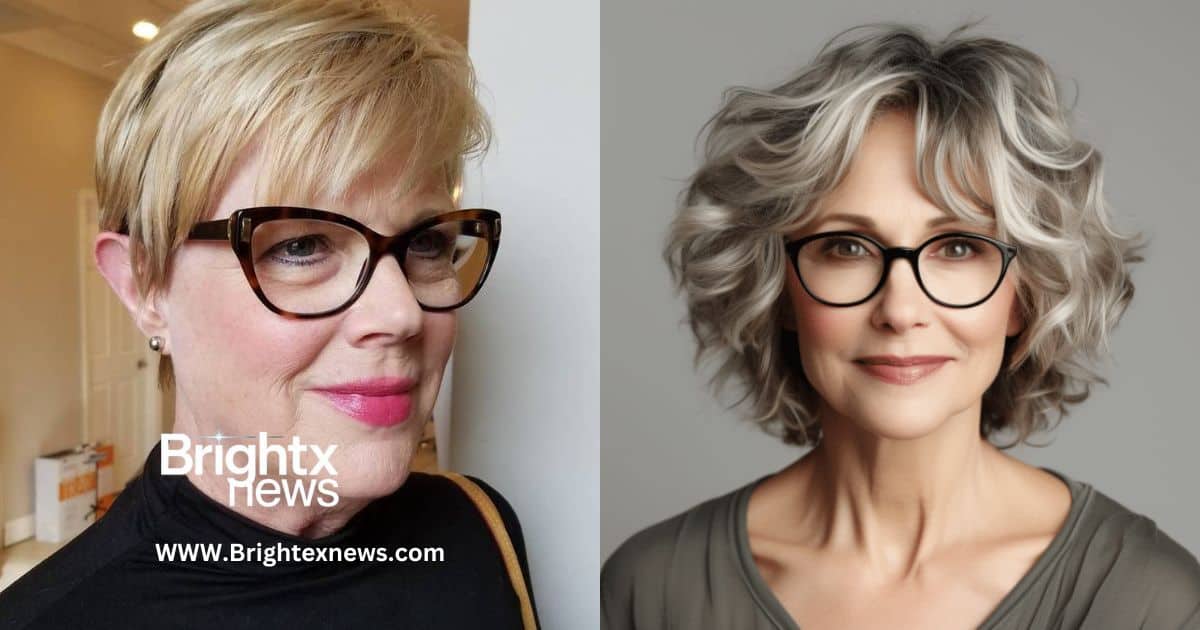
column 502, row 505
column 1106, row 519
column 512, row 526
column 678, row 547
column 455, row 506
column 1135, row 556
column 1172, row 574
column 436, row 490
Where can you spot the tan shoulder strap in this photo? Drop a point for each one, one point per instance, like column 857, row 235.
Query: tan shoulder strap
column 495, row 523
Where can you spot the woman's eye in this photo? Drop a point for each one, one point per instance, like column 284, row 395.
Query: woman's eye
column 847, row 248
column 961, row 248
column 296, row 250
column 429, row 244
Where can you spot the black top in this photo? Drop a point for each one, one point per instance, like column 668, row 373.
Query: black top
column 110, row 575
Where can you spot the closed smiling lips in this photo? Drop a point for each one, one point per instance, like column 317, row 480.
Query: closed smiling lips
column 379, row 402
column 899, row 370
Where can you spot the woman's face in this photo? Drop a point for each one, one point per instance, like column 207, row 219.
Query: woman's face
column 241, row 369
column 880, row 197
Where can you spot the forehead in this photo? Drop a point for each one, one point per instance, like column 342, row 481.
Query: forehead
column 883, row 169
column 881, row 182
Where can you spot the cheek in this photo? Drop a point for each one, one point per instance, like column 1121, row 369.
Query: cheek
column 983, row 329
column 255, row 343
column 437, row 341
column 233, row 358
column 439, row 331
column 980, row 333
column 827, row 337
column 821, row 329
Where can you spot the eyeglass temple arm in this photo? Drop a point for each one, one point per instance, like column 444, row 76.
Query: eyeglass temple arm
column 210, row 231
column 207, row 231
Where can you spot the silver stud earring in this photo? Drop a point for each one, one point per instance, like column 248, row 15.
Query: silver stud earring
column 156, row 343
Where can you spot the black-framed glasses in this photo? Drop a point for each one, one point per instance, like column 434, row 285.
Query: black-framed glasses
column 956, row 270
column 304, row 263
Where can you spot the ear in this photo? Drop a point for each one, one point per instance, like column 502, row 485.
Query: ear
column 111, row 251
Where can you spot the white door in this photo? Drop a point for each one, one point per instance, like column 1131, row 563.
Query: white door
column 121, row 401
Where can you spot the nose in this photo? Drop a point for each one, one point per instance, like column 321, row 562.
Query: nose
column 901, row 304
column 387, row 311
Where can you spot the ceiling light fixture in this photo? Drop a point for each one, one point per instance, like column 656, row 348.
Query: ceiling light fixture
column 145, row 30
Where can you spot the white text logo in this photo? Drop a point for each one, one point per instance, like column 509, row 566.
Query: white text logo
column 247, row 463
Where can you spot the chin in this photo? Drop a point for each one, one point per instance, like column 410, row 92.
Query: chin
column 897, row 420
column 371, row 487
column 374, row 469
column 363, row 482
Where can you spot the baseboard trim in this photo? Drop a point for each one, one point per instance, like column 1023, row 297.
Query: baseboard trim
column 18, row 529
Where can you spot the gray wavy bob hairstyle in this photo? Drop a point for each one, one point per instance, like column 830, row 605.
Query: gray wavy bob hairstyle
column 994, row 146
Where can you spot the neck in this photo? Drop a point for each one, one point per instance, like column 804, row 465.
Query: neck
column 895, row 503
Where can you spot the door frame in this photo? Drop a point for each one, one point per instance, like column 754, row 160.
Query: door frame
column 150, row 433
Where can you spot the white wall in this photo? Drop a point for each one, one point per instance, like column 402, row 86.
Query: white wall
column 526, row 379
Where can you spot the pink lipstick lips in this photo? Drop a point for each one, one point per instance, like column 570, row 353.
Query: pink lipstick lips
column 901, row 370
column 379, row 402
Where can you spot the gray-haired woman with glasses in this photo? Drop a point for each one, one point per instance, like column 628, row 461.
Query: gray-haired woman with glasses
column 277, row 181
column 902, row 252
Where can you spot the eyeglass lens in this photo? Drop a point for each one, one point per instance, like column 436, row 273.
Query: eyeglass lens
column 309, row 266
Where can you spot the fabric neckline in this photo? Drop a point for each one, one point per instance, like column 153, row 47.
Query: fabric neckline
column 769, row 604
column 177, row 511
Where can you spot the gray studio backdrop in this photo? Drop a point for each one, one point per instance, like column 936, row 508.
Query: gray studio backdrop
column 667, row 445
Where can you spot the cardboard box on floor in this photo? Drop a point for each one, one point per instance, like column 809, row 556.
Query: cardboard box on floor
column 72, row 488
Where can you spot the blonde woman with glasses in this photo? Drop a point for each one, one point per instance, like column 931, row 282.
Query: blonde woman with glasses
column 903, row 252
column 276, row 181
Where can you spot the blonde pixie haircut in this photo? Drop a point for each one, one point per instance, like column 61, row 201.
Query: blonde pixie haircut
column 328, row 88
column 992, row 134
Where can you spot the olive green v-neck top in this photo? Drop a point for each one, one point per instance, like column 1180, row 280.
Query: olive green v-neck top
column 1107, row 568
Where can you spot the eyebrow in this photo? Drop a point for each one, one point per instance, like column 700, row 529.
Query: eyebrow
column 869, row 223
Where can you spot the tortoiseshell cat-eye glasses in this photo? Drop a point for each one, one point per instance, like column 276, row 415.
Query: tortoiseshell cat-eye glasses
column 304, row 263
